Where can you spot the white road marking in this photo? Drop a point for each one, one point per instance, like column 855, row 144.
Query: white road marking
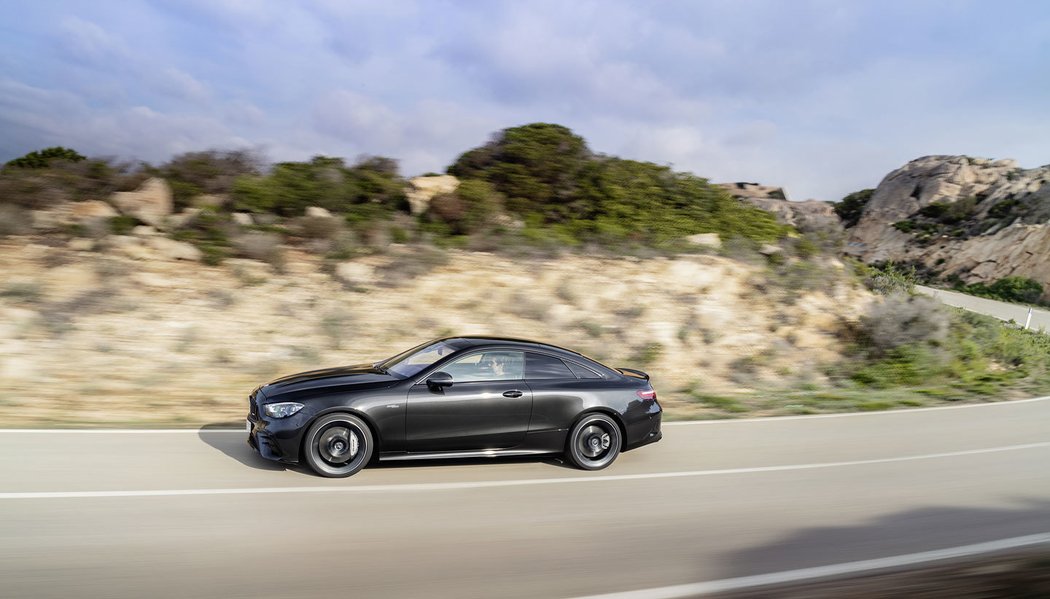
column 849, row 414
column 142, row 431
column 497, row 483
column 788, row 576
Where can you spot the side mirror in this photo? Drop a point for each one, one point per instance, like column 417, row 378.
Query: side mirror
column 439, row 380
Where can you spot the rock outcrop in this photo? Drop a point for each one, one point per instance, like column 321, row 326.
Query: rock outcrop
column 996, row 229
column 151, row 203
column 744, row 190
column 810, row 215
column 423, row 189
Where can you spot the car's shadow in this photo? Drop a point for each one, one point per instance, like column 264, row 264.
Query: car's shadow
column 220, row 437
column 223, row 437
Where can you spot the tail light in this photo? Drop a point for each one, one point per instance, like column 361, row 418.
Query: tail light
column 647, row 394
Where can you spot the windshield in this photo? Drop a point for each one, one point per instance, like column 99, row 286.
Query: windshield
column 416, row 359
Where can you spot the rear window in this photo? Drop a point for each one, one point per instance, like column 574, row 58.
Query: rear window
column 582, row 371
column 539, row 366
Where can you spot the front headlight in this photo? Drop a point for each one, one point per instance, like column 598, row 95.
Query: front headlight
column 282, row 410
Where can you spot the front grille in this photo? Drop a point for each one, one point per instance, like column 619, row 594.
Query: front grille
column 253, row 408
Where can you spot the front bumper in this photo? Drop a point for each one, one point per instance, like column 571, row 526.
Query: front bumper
column 276, row 439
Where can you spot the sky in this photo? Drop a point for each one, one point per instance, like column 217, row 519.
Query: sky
column 820, row 97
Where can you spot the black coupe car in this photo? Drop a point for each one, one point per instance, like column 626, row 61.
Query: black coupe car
column 457, row 397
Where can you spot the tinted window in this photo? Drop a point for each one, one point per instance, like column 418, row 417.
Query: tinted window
column 582, row 371
column 487, row 366
column 539, row 366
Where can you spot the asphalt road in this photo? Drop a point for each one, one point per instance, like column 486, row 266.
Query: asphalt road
column 196, row 514
column 1040, row 320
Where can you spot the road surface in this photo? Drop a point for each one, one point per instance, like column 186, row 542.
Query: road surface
column 196, row 514
column 1040, row 320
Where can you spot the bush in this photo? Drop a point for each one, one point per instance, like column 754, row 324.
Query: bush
column 368, row 190
column 44, row 158
column 888, row 278
column 122, row 225
column 561, row 190
column 851, row 207
column 902, row 319
column 209, row 172
column 258, row 245
column 1010, row 289
column 14, row 220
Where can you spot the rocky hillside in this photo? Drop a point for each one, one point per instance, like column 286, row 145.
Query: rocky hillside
column 103, row 335
column 959, row 218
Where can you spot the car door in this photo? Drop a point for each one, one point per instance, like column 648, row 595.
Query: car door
column 487, row 406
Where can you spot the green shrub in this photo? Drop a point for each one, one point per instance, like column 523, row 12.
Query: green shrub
column 44, row 158
column 851, row 207
column 888, row 278
column 1009, row 289
column 552, row 181
column 122, row 225
column 209, row 172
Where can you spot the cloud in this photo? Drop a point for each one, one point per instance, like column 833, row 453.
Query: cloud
column 822, row 97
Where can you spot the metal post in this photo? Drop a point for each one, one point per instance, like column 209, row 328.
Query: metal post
column 1028, row 321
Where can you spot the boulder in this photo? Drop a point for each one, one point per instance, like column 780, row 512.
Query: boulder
column 744, row 190
column 169, row 249
column 243, row 219
column 354, row 274
column 711, row 240
column 143, row 231
column 81, row 244
column 318, row 212
column 183, row 219
column 151, row 203
column 91, row 211
column 423, row 189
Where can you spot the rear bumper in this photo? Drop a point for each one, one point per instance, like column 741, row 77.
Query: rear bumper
column 644, row 428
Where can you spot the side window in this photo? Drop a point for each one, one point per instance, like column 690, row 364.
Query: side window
column 539, row 366
column 488, row 366
column 582, row 371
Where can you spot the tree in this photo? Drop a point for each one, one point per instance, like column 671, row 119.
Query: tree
column 44, row 158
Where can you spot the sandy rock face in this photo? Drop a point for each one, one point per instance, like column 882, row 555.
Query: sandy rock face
column 89, row 213
column 170, row 249
column 423, row 189
column 150, row 203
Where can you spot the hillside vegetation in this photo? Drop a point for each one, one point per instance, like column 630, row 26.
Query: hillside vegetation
column 202, row 277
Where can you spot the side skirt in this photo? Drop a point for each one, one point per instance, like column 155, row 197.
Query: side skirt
column 450, row 455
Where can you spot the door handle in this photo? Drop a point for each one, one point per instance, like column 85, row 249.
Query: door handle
column 513, row 393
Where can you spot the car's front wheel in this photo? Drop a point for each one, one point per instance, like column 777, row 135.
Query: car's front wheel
column 594, row 442
column 338, row 445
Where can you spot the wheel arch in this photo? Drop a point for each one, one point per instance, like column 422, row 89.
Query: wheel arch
column 372, row 428
column 606, row 411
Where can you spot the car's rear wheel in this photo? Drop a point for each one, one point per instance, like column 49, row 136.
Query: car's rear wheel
column 338, row 445
column 594, row 442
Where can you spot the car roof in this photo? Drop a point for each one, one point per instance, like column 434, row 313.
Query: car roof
column 482, row 341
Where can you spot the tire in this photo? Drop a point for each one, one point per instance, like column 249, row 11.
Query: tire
column 594, row 442
column 338, row 445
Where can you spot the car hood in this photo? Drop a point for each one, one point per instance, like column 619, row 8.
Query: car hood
column 355, row 376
